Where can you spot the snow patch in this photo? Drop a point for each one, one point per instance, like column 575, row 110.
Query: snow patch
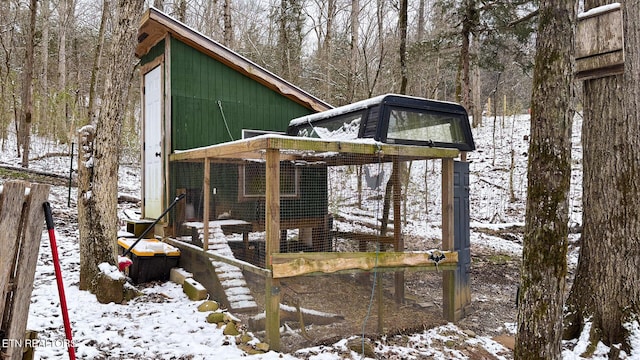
column 599, row 10
column 111, row 271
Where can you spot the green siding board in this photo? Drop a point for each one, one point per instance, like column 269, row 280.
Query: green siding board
column 199, row 82
column 154, row 52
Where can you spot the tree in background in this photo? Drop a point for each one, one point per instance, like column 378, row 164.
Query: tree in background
column 228, row 29
column 477, row 33
column 544, row 265
column 290, row 37
column 27, row 86
column 402, row 26
column 606, row 290
column 97, row 61
column 337, row 50
column 98, row 162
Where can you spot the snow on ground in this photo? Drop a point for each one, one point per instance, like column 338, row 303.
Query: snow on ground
column 164, row 324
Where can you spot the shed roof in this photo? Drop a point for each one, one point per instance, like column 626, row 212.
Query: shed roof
column 155, row 25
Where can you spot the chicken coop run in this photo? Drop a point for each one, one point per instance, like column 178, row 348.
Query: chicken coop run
column 268, row 205
column 288, row 206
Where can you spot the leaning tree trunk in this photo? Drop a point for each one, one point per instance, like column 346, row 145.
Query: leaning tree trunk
column 98, row 164
column 606, row 290
column 544, row 265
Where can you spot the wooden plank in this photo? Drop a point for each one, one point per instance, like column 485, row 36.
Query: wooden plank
column 11, row 200
column 272, row 234
column 600, row 33
column 32, row 227
column 245, row 266
column 297, row 264
column 358, row 147
column 233, row 149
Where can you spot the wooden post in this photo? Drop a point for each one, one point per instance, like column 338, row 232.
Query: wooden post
column 272, row 229
column 448, row 276
column 205, row 206
column 397, row 230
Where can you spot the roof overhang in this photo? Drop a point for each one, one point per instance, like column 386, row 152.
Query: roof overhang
column 155, row 25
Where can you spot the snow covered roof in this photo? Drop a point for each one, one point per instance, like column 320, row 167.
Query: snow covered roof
column 155, row 26
column 392, row 119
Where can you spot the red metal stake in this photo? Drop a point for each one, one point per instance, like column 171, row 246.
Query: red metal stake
column 56, row 265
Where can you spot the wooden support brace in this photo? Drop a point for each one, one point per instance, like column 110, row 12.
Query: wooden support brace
column 297, row 264
column 272, row 227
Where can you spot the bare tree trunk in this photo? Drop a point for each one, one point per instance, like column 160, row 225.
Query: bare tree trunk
column 475, row 106
column 44, row 83
column 97, row 61
column 402, row 25
column 181, row 11
column 228, row 30
column 353, row 57
column 469, row 24
column 66, row 13
column 380, row 18
column 544, row 265
column 290, row 39
column 606, row 290
column 421, row 22
column 98, row 187
column 327, row 47
column 27, row 85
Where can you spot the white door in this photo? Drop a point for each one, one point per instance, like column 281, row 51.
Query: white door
column 153, row 143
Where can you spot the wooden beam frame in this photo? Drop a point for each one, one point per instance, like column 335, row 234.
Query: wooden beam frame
column 255, row 148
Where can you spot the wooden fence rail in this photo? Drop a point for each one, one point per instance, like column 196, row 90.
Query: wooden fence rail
column 21, row 226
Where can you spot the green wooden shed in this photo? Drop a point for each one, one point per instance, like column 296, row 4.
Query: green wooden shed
column 197, row 92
